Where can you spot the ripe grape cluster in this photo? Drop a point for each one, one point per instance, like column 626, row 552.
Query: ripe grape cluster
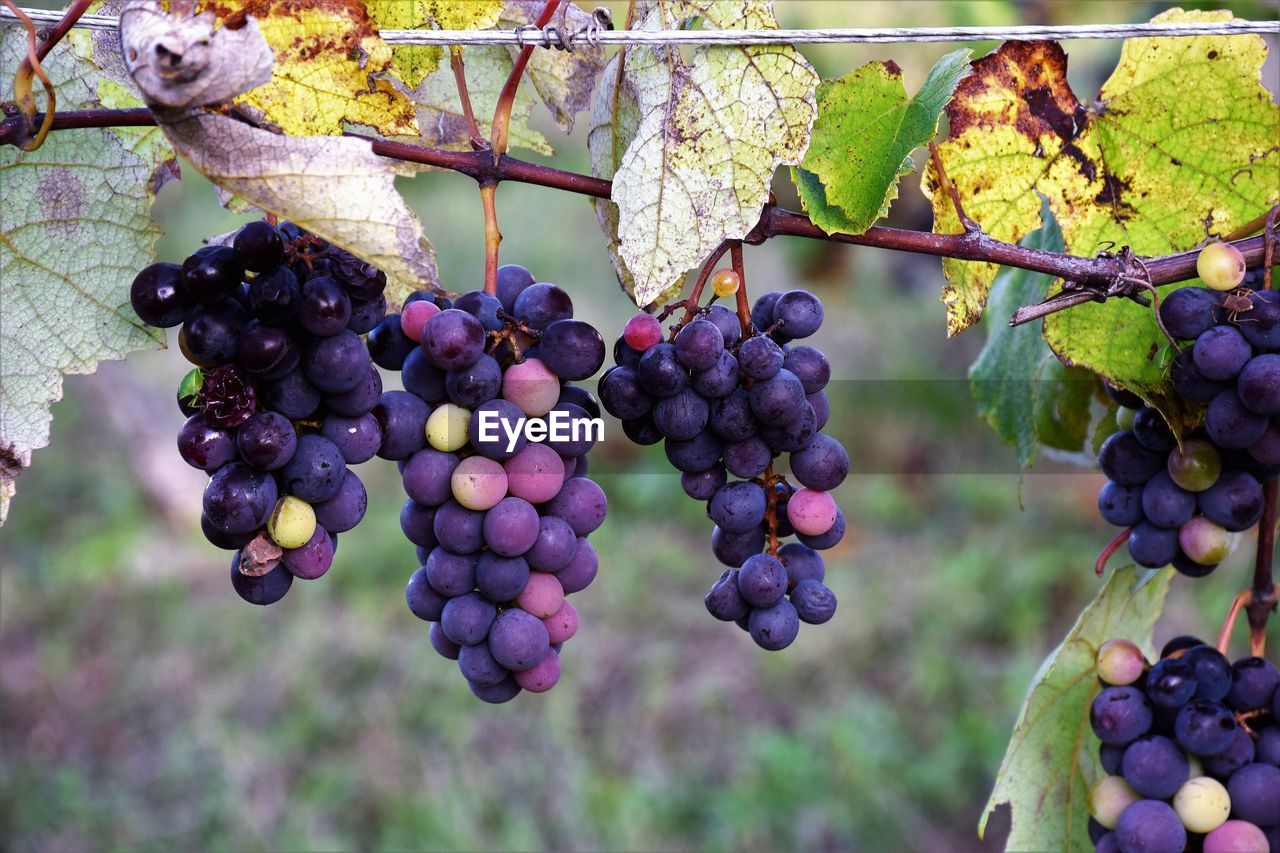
column 1191, row 746
column 282, row 397
column 492, row 444
column 1186, row 500
column 725, row 404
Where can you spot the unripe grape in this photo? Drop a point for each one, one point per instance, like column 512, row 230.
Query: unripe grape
column 1202, row 804
column 542, row 595
column 1125, row 416
column 1221, row 266
column 543, row 676
column 415, row 315
column 1195, row 466
column 292, row 523
column 642, row 331
column 562, row 624
column 447, row 427
column 725, row 283
column 532, row 387
column 1120, row 662
column 1204, row 541
column 1236, row 836
column 1108, row 798
column 535, row 473
column 478, row 482
column 811, row 512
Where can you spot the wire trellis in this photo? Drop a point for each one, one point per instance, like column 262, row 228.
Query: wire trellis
column 550, row 37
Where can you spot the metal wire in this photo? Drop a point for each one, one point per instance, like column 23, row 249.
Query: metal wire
column 549, row 37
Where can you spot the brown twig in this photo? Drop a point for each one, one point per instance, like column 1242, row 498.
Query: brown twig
column 970, row 227
column 507, row 97
column 1270, row 237
column 1229, row 624
column 492, row 236
column 699, row 284
column 1251, row 227
column 30, row 68
column 1100, row 565
column 744, row 307
column 478, row 142
column 771, row 507
column 1262, row 597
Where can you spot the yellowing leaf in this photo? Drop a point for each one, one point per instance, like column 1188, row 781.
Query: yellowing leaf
column 328, row 62
column 711, row 133
column 75, row 227
column 1182, row 143
column 563, row 79
column 412, row 63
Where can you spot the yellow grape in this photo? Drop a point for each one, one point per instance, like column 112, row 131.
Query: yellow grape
column 292, row 522
column 725, row 283
column 447, row 427
column 1221, row 266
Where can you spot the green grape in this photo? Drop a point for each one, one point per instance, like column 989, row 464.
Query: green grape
column 1202, row 804
column 1120, row 662
column 1108, row 797
column 1195, row 466
column 1221, row 266
column 292, row 523
column 1124, row 417
column 447, row 427
column 1204, row 541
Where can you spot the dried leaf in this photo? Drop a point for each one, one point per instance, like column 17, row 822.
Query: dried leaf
column 412, row 63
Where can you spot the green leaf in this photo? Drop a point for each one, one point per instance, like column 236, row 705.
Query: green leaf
column 75, row 227
column 866, row 129
column 1052, row 756
column 1020, row 387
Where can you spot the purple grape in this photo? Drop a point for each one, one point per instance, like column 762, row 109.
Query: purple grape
column 503, row 691
column 511, row 527
column 582, row 503
column 1124, row 460
column 1256, row 681
column 1255, row 794
column 724, row 601
column 642, row 431
column 572, row 349
column 826, row 540
column 727, row 322
column 314, row 558
column 258, row 246
column 1152, row 432
column 466, row 618
column 622, row 395
column 799, row 313
column 157, row 296
column 501, row 578
column 1235, row 501
column 733, row 549
column 453, row 339
column 338, row 363
column 581, row 570
column 366, row 315
column 261, row 589
column 1155, row 767
column 221, row 539
column 762, row 580
column 738, row 507
column 344, row 510
column 1189, row 312
column 210, row 333
column 683, row 416
column 1231, row 759
column 274, row 297
column 1190, row 382
column 403, row 419
column 731, row 417
column 748, row 458
column 1150, row 825
column 774, row 628
column 1120, row 715
column 822, row 465
column 775, row 401
column 518, row 640
column 810, row 366
column 459, row 529
column 211, row 274
column 267, row 441
column 485, row 308
column 701, row 485
column 1261, row 325
column 1259, row 384
column 802, row 562
column 660, row 372
column 450, row 574
column 418, row 523
column 1220, row 353
column 239, row 499
column 480, row 668
column 424, row 602
column 501, row 418
column 719, row 380
column 446, row 648
column 814, row 603
column 1231, row 424
column 205, row 446
column 267, row 352
column 357, row 438
column 698, row 345
column 293, row 396
column 316, row 470
column 794, row 435
column 554, row 546
column 1165, row 504
column 389, row 346
column 762, row 310
column 324, row 308
column 540, row 305
column 760, row 358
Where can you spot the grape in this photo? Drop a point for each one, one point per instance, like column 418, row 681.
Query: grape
column 1196, row 466
column 1125, row 461
column 762, row 310
column 719, row 380
column 1212, row 673
column 622, row 394
column 1190, row 382
column 774, row 628
column 1220, row 266
column 511, row 527
column 1255, row 683
column 1150, row 825
column 624, row 355
column 1165, row 504
column 513, row 280
column 727, row 322
column 822, row 465
column 258, row 246
column 316, row 470
column 683, row 416
column 418, row 524
column 1111, row 758
column 1231, row 759
column 1120, row 663
column 1237, row 836
column 222, row 539
column 1261, row 325
column 344, row 511
column 239, row 499
column 518, row 640
column 731, row 418
column 1155, row 767
column 483, row 307
column 443, row 646
column 542, row 676
column 738, row 507
column 581, row 570
column 1231, row 425
column 414, row 317
column 211, row 274
column 554, row 547
column 725, row 283
column 532, row 386
column 582, row 503
column 776, row 400
column 1117, row 504
column 1108, row 799
column 205, row 446
column 1266, row 450
column 1204, row 542
column 465, row 619
column 293, row 396
column 733, row 549
column 542, row 595
column 748, row 458
column 799, row 313
column 814, row 602
column 572, row 349
column 1259, row 384
column 1255, row 794
column 821, row 408
column 266, row 352
column 312, row 559
column 389, row 346
column 1202, row 804
column 535, row 474
column 540, row 305
column 427, row 476
column 1189, row 312
column 210, row 333
column 802, row 563
column 762, row 580
column 447, row 427
column 811, row 512
column 823, row 541
column 360, row 399
column 157, row 296
column 760, row 358
column 1235, row 501
column 357, row 438
column 478, row 666
column 503, row 691
column 660, row 372
column 267, row 441
column 1152, row 432
column 810, row 366
column 476, row 482
column 458, row 529
column 450, row 574
column 702, row 485
column 1120, row 715
column 1171, row 683
column 453, row 339
column 492, row 428
column 275, row 297
column 366, row 315
column 1220, row 353
column 796, row 434
column 562, row 625
column 698, row 345
column 724, row 601
column 260, row 589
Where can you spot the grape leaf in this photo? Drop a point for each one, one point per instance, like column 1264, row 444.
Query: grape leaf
column 866, row 129
column 711, row 132
column 75, row 226
column 1043, row 775
column 1149, row 166
column 335, row 187
column 329, row 66
column 412, row 63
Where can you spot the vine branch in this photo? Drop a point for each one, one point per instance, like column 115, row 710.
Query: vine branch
column 774, row 221
column 507, row 97
column 464, row 96
column 1262, row 595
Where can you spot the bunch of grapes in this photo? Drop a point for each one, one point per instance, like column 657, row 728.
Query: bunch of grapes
column 492, row 444
column 725, row 403
column 1186, row 501
column 281, row 400
column 1192, row 749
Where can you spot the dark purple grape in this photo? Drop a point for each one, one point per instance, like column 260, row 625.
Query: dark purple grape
column 205, row 446
column 267, row 352
column 518, row 639
column 802, row 562
column 797, row 434
column 316, row 471
column 338, row 363
column 1235, row 501
column 426, row 476
column 1120, row 715
column 774, row 628
column 719, row 380
column 366, row 315
column 799, row 313
column 513, row 280
column 403, row 419
column 492, row 428
column 1155, row 767
column 481, row 669
column 582, row 503
column 314, row 558
column 1220, row 353
column 747, row 458
column 733, row 549
column 157, row 296
column 1171, row 683
column 450, row 574
column 727, row 322
column 418, row 523
column 810, row 366
column 446, row 648
column 458, row 529
column 260, row 589
column 1190, row 382
column 822, row 465
column 622, row 394
column 210, row 333
column 221, row 539
column 1152, row 432
column 1112, row 760
column 1165, row 504
column 681, row 417
column 293, row 396
column 389, row 346
column 552, row 549
column 502, row 578
column 1255, row 794
column 1231, row 424
column 466, row 618
column 660, row 372
column 701, row 485
column 762, row 310
column 239, row 499
column 814, row 603
column 1259, row 384
column 267, row 441
column 737, row 507
column 1124, row 460
column 511, row 527
column 344, row 510
column 476, row 384
column 424, row 602
column 762, row 580
column 582, row 398
column 1211, row 670
column 760, row 358
column 1256, row 680
column 1261, row 324
column 572, row 350
column 453, row 339
column 1231, row 759
column 424, row 379
column 540, row 305
column 775, row 401
column 324, row 308
column 1150, row 825
column 485, row 308
column 642, row 431
column 730, row 417
column 570, row 432
column 274, row 296
column 1124, row 398
column 1189, row 312
column 724, row 601
column 624, row 355
column 211, row 274
column 581, row 570
column 698, row 344
column 363, row 280
column 1204, row 727
column 359, row 400
column 1120, row 505
column 258, row 246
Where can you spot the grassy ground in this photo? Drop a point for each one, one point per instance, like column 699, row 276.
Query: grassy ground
column 146, row 707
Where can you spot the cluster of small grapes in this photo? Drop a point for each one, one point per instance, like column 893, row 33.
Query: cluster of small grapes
column 492, row 444
column 281, row 400
column 726, row 406
column 1192, row 749
column 1185, row 501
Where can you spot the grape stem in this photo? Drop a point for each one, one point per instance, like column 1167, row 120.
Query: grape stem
column 507, row 97
column 774, row 221
column 478, row 142
column 492, row 236
column 1229, row 624
column 1262, row 597
column 968, row 224
column 744, row 308
column 1100, row 565
column 695, row 295
column 769, row 480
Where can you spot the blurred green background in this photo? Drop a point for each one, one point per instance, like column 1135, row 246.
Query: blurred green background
column 144, row 706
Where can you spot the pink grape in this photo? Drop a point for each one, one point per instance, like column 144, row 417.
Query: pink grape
column 811, row 512
column 1204, row 542
column 562, row 624
column 1236, row 836
column 1120, row 662
column 542, row 677
column 532, row 387
column 642, row 331
column 478, row 482
column 415, row 315
column 535, row 473
column 542, row 595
